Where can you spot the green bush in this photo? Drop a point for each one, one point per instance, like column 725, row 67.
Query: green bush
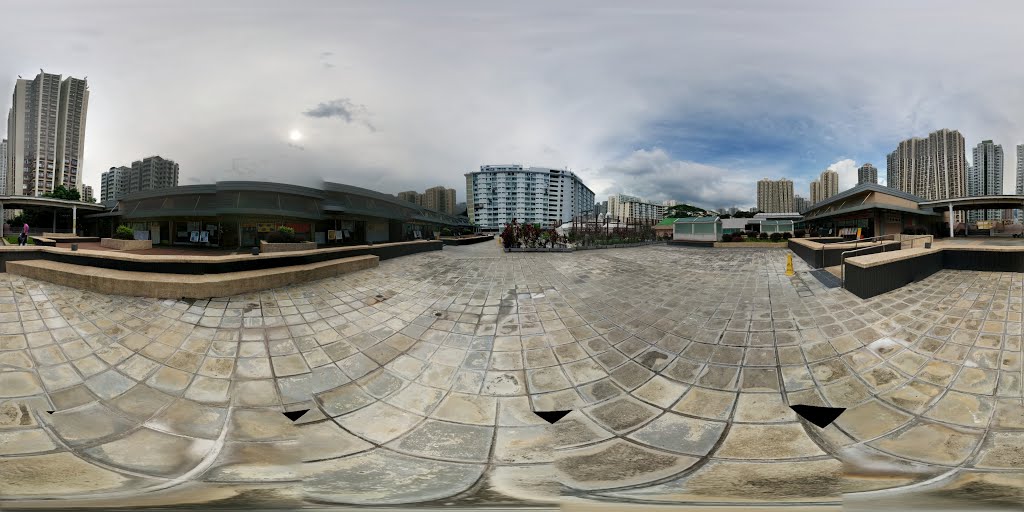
column 124, row 233
column 787, row 235
column 763, row 236
column 775, row 237
column 727, row 237
column 283, row 235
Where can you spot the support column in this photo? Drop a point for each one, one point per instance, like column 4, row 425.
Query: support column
column 54, row 220
column 951, row 220
column 74, row 220
column 3, row 221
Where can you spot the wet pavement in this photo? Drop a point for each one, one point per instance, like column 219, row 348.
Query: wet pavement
column 422, row 375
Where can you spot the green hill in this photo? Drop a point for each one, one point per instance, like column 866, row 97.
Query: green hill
column 686, row 210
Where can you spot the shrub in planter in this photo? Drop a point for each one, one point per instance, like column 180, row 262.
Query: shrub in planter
column 763, row 236
column 727, row 237
column 775, row 237
column 283, row 235
column 787, row 235
column 446, row 232
column 814, row 232
column 510, row 235
column 124, row 233
column 799, row 233
column 920, row 231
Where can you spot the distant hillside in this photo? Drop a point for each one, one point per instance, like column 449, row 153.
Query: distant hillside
column 686, row 210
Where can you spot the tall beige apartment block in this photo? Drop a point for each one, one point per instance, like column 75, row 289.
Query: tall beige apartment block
column 934, row 167
column 440, row 198
column 829, row 183
column 46, row 134
column 775, row 196
column 411, row 196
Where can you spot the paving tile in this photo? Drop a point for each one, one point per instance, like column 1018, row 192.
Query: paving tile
column 680, row 434
column 616, row 463
column 768, row 442
column 448, row 441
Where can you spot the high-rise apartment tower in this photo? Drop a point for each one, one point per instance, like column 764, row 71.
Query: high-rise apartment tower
column 46, row 134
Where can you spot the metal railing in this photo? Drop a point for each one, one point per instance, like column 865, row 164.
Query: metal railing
column 913, row 240
column 854, row 242
column 842, row 257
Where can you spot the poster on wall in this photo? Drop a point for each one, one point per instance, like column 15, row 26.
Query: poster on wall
column 264, row 227
column 142, row 234
column 194, row 237
column 211, row 228
column 204, row 237
column 332, row 234
column 418, row 234
column 320, row 237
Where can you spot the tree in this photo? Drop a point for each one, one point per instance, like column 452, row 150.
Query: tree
column 62, row 192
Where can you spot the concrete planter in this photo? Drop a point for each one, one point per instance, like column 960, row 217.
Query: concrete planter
column 539, row 249
column 266, row 247
column 126, row 245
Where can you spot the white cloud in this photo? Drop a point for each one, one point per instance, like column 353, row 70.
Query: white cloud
column 655, row 175
column 847, row 170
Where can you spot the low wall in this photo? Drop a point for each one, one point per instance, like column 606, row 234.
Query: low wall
column 43, row 241
column 990, row 259
column 71, row 239
column 821, row 255
column 691, row 243
column 286, row 247
column 126, row 245
column 867, row 276
column 753, row 245
column 165, row 286
column 176, row 264
column 466, row 240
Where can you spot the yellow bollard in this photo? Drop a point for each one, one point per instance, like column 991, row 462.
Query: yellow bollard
column 789, row 264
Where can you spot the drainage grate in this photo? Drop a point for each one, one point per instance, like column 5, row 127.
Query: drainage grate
column 826, row 278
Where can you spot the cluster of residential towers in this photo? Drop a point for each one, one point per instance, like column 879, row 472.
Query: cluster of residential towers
column 932, row 167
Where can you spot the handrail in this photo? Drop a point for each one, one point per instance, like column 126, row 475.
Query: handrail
column 842, row 256
column 858, row 240
column 842, row 263
column 913, row 239
column 855, row 242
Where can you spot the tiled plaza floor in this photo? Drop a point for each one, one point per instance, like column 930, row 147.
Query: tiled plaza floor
column 679, row 365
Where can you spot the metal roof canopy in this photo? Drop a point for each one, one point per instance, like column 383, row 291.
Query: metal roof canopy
column 50, row 202
column 868, row 206
column 274, row 199
column 696, row 220
column 993, row 202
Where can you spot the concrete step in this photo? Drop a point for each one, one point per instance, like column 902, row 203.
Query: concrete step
column 176, row 286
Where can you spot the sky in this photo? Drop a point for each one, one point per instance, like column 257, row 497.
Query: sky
column 693, row 101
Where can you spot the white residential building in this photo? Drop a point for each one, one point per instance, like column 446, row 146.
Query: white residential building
column 985, row 178
column 1020, row 178
column 3, row 167
column 615, row 203
column 639, row 212
column 46, row 134
column 114, row 183
column 498, row 194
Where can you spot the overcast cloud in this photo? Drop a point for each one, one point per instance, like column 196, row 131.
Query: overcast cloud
column 687, row 100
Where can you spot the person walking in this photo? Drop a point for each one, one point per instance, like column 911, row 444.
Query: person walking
column 24, row 235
